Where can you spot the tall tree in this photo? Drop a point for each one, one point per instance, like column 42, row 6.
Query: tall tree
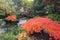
column 38, row 7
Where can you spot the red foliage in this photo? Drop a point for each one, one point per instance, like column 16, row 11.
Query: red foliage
column 39, row 23
column 11, row 17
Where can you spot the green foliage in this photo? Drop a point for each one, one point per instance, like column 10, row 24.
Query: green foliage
column 1, row 20
column 27, row 4
column 9, row 36
column 11, row 33
column 55, row 17
column 49, row 9
column 39, row 8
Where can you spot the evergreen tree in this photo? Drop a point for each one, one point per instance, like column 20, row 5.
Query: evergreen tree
column 39, row 8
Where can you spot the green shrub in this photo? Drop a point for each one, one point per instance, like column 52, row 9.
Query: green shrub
column 11, row 33
column 55, row 17
column 9, row 36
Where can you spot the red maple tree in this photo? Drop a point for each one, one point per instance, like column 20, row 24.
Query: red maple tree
column 39, row 23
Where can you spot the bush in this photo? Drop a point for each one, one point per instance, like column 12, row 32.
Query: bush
column 11, row 33
column 55, row 17
column 9, row 36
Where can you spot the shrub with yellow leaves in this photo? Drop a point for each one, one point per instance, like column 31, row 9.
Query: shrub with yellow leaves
column 24, row 36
